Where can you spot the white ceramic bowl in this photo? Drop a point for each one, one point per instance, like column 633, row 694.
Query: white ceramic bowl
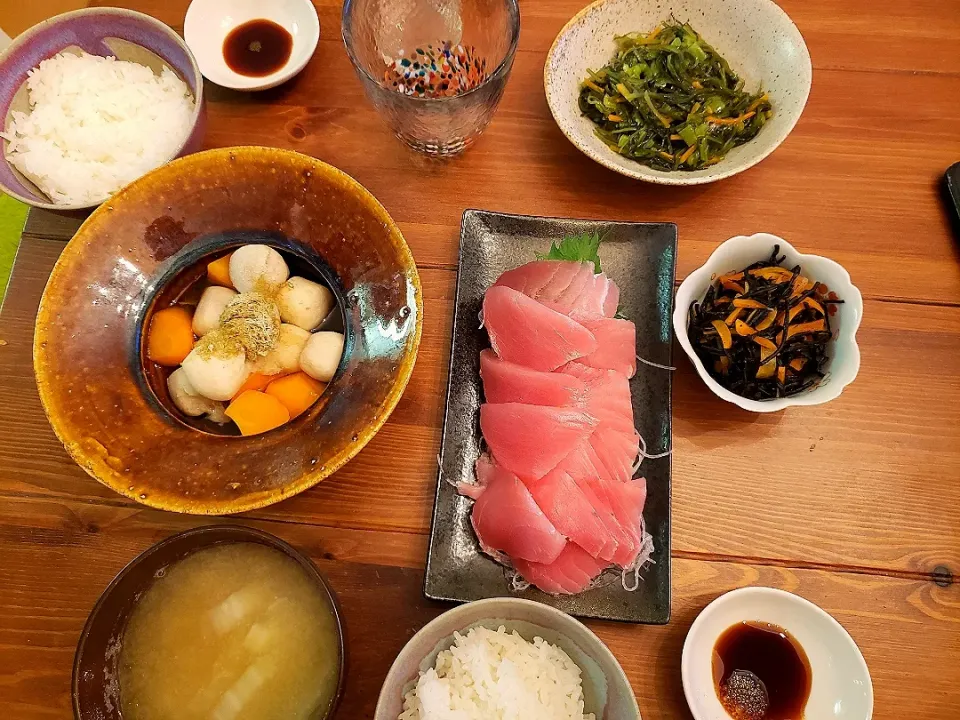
column 841, row 688
column 607, row 691
column 208, row 22
column 738, row 252
column 755, row 36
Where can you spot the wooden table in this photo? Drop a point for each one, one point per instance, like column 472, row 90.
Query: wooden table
column 854, row 505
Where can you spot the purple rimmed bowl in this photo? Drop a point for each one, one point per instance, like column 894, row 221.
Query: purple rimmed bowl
column 124, row 34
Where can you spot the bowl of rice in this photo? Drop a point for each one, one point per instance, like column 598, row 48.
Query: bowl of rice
column 91, row 100
column 506, row 658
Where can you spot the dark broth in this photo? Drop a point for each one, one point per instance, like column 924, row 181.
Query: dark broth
column 257, row 48
column 760, row 672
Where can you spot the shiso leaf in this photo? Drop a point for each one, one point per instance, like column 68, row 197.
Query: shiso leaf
column 578, row 248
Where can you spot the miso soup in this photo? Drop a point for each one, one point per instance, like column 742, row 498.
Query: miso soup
column 232, row 632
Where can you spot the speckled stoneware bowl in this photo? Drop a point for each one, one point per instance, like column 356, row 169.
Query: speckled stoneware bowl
column 755, row 36
column 95, row 666
column 125, row 34
column 87, row 347
column 606, row 689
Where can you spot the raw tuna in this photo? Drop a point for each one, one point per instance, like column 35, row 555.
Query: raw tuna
column 525, row 332
column 571, row 288
column 571, row 513
column 544, row 578
column 608, row 394
column 529, row 440
column 617, row 451
column 580, row 466
column 616, row 345
column 555, row 495
column 506, row 382
column 572, row 571
column 544, row 279
column 506, row 519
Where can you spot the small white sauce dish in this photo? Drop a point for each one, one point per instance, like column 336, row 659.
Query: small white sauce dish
column 738, row 252
column 841, row 688
column 208, row 22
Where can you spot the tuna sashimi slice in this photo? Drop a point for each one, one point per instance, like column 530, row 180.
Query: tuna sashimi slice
column 569, row 297
column 572, row 571
column 626, row 501
column 579, row 464
column 571, row 513
column 617, row 451
column 529, row 440
column 506, row 519
column 571, row 288
column 616, row 345
column 542, row 577
column 544, row 279
column 598, row 297
column 506, row 382
column 608, row 394
column 484, row 470
column 611, row 301
column 525, row 332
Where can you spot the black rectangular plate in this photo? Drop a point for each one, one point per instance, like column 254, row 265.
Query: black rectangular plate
column 641, row 259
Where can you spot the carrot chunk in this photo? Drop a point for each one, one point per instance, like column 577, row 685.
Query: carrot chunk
column 218, row 272
column 297, row 392
column 255, row 412
column 170, row 338
column 255, row 381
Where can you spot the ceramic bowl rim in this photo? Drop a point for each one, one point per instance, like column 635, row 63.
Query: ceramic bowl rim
column 662, row 177
column 274, row 79
column 513, row 7
column 242, row 531
column 561, row 618
column 686, row 657
column 308, row 479
column 24, row 39
column 695, row 285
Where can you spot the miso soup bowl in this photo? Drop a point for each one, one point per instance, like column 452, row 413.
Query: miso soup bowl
column 96, row 694
column 121, row 265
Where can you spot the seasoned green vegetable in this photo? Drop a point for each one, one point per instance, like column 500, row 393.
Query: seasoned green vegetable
column 670, row 101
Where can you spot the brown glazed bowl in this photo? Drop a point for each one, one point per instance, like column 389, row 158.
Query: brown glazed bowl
column 96, row 693
column 87, row 346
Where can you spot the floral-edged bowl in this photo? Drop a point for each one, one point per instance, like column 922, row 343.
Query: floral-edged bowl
column 108, row 31
column 738, row 252
column 757, row 38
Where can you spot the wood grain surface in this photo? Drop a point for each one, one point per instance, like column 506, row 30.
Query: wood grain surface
column 854, row 505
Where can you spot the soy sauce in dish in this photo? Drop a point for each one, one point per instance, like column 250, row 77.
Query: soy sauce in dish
column 760, row 672
column 257, row 48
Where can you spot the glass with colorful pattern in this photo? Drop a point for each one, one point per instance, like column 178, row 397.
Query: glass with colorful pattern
column 434, row 69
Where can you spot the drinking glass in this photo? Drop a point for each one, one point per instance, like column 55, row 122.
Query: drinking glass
column 434, row 69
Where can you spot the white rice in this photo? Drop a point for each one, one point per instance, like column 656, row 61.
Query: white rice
column 495, row 675
column 96, row 124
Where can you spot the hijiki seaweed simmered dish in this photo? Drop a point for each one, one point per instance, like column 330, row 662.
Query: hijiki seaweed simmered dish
column 763, row 332
column 670, row 101
column 555, row 495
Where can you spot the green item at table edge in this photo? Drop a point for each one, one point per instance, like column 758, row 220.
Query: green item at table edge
column 13, row 213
